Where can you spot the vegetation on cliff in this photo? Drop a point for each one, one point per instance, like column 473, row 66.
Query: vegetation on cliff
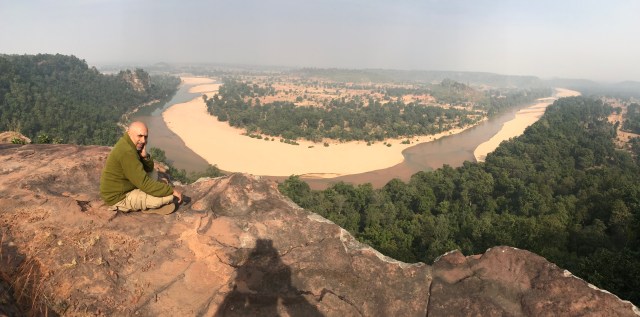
column 561, row 190
column 58, row 98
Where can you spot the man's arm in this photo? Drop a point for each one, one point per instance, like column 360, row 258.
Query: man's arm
column 134, row 171
column 147, row 161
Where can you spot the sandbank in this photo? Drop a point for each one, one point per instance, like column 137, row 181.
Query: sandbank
column 207, row 88
column 225, row 146
column 196, row 80
column 523, row 119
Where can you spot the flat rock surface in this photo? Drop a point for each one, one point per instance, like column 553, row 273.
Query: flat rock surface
column 239, row 248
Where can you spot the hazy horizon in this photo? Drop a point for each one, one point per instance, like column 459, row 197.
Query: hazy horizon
column 568, row 39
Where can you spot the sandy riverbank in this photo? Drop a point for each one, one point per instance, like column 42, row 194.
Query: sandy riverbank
column 225, row 146
column 523, row 119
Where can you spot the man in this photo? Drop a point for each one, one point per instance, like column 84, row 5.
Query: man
column 125, row 184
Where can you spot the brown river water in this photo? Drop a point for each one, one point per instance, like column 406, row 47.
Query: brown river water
column 453, row 150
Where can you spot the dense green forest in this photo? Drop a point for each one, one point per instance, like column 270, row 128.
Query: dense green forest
column 61, row 99
column 358, row 119
column 561, row 190
column 632, row 121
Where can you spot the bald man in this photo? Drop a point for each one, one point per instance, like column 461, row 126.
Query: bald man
column 125, row 184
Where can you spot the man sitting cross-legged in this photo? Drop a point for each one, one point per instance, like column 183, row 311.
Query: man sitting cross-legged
column 125, row 184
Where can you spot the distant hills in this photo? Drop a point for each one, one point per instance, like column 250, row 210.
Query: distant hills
column 624, row 89
column 381, row 75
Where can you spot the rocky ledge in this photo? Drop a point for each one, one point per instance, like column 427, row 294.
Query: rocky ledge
column 239, row 248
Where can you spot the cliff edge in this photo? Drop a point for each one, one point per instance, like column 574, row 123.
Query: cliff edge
column 239, row 248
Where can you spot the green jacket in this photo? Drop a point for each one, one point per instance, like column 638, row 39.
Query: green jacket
column 125, row 171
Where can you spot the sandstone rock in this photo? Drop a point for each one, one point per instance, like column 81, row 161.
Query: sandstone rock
column 240, row 248
column 7, row 137
column 506, row 281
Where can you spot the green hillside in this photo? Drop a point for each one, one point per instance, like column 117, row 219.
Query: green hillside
column 61, row 99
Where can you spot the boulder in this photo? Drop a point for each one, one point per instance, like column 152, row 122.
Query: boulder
column 505, row 281
column 8, row 137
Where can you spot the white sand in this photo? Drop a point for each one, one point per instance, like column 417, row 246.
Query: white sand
column 208, row 88
column 225, row 146
column 523, row 119
column 196, row 80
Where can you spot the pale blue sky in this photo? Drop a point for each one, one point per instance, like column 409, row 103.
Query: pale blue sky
column 597, row 40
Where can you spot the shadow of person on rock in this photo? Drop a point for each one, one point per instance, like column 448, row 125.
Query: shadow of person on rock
column 263, row 288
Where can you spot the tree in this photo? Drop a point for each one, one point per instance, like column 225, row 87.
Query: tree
column 296, row 189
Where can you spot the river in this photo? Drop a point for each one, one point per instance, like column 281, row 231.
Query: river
column 161, row 137
column 453, row 150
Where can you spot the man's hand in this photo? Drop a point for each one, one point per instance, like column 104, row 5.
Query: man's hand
column 178, row 195
column 143, row 152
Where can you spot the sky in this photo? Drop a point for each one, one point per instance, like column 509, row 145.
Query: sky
column 597, row 40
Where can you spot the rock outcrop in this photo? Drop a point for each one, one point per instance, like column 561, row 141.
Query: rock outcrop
column 239, row 248
column 9, row 137
column 139, row 80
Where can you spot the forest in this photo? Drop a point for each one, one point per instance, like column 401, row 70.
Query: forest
column 60, row 99
column 359, row 118
column 561, row 190
column 632, row 121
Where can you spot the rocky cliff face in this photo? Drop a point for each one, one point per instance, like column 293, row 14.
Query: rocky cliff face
column 239, row 248
column 139, row 80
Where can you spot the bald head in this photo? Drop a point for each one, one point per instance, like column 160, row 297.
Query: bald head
column 138, row 133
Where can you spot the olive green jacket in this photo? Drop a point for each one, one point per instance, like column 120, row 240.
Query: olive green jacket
column 125, row 171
